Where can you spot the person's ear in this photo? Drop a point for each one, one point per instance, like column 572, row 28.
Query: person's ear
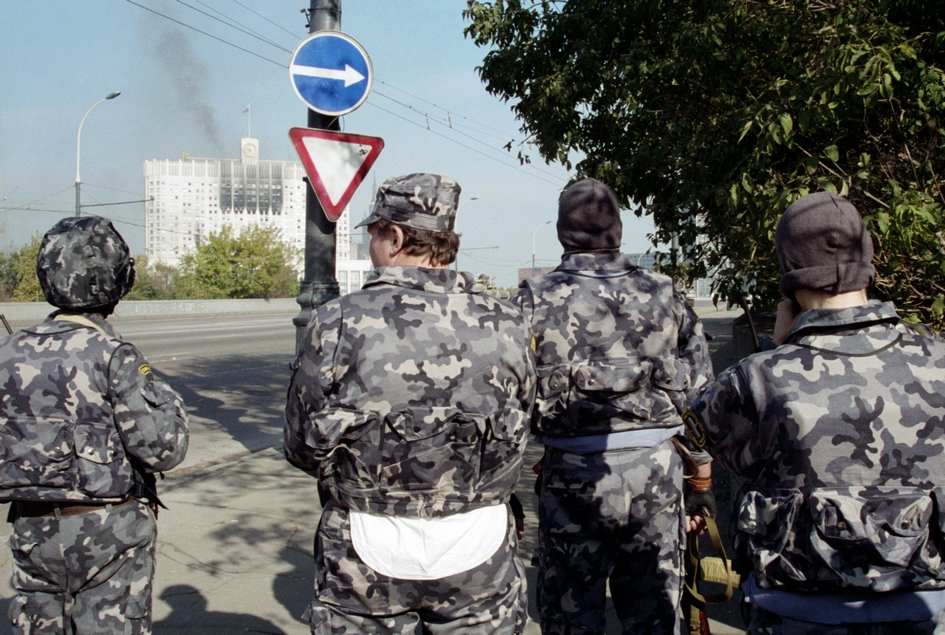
column 396, row 240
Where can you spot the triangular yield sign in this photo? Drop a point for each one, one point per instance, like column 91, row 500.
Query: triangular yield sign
column 336, row 163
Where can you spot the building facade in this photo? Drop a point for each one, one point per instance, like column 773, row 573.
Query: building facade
column 191, row 198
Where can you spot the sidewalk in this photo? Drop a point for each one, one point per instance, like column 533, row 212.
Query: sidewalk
column 235, row 551
column 235, row 545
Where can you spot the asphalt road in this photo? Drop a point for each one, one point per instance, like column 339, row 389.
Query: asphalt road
column 235, row 548
column 232, row 373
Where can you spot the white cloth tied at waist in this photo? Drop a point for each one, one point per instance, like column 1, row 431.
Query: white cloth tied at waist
column 428, row 548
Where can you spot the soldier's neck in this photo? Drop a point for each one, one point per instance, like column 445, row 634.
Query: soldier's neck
column 813, row 299
column 407, row 260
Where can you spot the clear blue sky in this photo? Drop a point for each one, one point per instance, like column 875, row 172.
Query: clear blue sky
column 185, row 91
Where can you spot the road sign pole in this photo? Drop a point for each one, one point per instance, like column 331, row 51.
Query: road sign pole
column 319, row 284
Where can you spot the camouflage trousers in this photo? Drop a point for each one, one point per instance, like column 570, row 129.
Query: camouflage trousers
column 614, row 515
column 762, row 622
column 84, row 574
column 352, row 598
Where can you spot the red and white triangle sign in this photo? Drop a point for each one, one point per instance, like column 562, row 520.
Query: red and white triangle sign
column 336, row 163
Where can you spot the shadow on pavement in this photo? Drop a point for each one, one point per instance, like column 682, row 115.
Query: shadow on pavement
column 5, row 628
column 235, row 403
column 294, row 590
column 189, row 612
column 243, row 536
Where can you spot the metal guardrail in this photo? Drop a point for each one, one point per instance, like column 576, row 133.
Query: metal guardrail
column 24, row 313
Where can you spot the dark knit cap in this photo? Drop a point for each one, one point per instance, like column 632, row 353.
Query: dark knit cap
column 822, row 244
column 589, row 218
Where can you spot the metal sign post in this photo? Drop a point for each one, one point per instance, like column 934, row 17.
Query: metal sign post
column 318, row 283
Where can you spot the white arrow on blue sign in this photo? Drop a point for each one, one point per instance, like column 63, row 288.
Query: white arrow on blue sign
column 331, row 73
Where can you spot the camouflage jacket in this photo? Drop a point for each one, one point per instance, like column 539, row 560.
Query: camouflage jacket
column 841, row 435
column 81, row 414
column 617, row 347
column 411, row 397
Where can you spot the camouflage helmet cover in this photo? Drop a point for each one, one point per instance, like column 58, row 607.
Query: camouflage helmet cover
column 423, row 201
column 84, row 263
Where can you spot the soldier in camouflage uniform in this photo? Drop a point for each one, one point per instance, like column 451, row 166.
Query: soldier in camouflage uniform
column 620, row 355
column 409, row 401
column 840, row 434
column 83, row 426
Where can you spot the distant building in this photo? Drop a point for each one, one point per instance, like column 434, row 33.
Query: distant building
column 353, row 263
column 189, row 199
column 647, row 260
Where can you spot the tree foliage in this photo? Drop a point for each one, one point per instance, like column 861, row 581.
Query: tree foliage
column 254, row 264
column 153, row 281
column 7, row 277
column 21, row 275
column 713, row 116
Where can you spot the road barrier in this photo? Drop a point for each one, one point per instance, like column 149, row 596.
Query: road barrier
column 26, row 313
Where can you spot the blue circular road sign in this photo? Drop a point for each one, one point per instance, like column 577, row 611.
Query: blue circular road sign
column 331, row 73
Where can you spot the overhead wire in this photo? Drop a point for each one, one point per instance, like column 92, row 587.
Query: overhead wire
column 278, row 26
column 446, row 110
column 107, row 206
column 26, row 206
column 192, row 28
column 440, row 122
column 111, row 216
column 470, row 148
column 110, row 189
column 235, row 25
column 528, row 169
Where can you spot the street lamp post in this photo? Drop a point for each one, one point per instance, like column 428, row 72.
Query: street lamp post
column 78, row 141
column 534, row 235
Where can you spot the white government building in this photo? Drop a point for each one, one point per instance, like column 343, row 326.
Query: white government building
column 189, row 199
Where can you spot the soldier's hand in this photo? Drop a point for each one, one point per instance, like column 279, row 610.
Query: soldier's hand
column 700, row 503
column 696, row 524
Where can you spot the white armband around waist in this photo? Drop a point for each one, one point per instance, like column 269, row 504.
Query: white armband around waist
column 428, row 548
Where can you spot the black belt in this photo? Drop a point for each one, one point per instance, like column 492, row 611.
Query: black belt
column 36, row 509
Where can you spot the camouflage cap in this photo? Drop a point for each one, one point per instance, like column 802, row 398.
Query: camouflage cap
column 84, row 263
column 422, row 201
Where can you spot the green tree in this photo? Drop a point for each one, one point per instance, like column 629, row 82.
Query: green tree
column 27, row 287
column 153, row 281
column 257, row 263
column 7, row 276
column 713, row 116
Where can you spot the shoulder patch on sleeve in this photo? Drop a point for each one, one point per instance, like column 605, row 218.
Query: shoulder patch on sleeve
column 694, row 428
column 144, row 369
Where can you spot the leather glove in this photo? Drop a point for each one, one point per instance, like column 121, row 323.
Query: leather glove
column 698, row 503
